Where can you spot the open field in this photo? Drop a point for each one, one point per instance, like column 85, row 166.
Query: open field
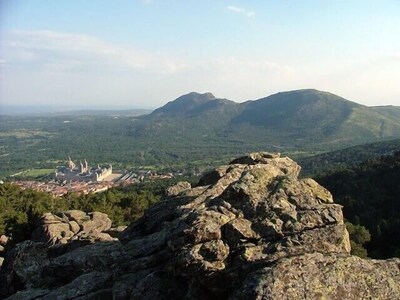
column 36, row 172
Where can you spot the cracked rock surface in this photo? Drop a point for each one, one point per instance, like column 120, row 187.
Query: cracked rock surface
column 249, row 230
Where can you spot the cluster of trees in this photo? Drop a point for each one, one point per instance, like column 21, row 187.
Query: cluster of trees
column 19, row 209
column 370, row 194
column 359, row 235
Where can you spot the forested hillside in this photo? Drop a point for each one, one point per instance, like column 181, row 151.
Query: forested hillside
column 301, row 119
column 345, row 158
column 370, row 194
column 195, row 131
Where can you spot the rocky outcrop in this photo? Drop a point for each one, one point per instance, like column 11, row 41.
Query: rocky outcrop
column 178, row 188
column 318, row 276
column 72, row 225
column 3, row 243
column 249, row 230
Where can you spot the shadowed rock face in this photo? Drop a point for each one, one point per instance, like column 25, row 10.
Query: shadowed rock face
column 249, row 230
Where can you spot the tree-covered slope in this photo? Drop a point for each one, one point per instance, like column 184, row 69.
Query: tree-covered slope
column 389, row 111
column 298, row 110
column 183, row 105
column 370, row 194
column 344, row 158
column 313, row 117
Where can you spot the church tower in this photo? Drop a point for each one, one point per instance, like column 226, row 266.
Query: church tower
column 70, row 164
column 86, row 166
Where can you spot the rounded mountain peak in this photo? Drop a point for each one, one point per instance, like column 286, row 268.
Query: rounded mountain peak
column 184, row 103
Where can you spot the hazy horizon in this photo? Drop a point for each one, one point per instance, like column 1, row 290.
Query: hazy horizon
column 146, row 53
column 15, row 110
column 41, row 109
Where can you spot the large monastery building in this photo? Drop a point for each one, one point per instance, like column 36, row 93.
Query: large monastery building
column 82, row 172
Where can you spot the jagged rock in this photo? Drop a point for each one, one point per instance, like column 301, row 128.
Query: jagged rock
column 72, row 225
column 115, row 232
column 49, row 218
column 98, row 222
column 58, row 231
column 3, row 240
column 92, row 237
column 36, row 265
column 255, row 158
column 248, row 230
column 178, row 188
column 318, row 276
column 76, row 215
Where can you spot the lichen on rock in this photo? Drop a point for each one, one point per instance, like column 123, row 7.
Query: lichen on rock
column 249, row 230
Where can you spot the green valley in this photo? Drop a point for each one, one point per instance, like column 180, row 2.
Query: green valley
column 195, row 131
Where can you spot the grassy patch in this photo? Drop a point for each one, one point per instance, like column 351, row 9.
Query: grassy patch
column 37, row 172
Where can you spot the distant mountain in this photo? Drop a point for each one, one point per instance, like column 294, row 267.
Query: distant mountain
column 297, row 110
column 183, row 104
column 191, row 116
column 307, row 118
column 388, row 111
column 193, row 105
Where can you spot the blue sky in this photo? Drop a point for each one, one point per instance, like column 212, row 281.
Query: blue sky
column 145, row 53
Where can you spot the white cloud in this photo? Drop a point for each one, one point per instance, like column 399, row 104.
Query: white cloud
column 239, row 79
column 62, row 52
column 242, row 11
column 372, row 81
column 69, row 68
column 77, row 69
column 395, row 55
column 55, row 67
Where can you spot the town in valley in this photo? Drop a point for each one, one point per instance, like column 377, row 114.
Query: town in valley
column 82, row 179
